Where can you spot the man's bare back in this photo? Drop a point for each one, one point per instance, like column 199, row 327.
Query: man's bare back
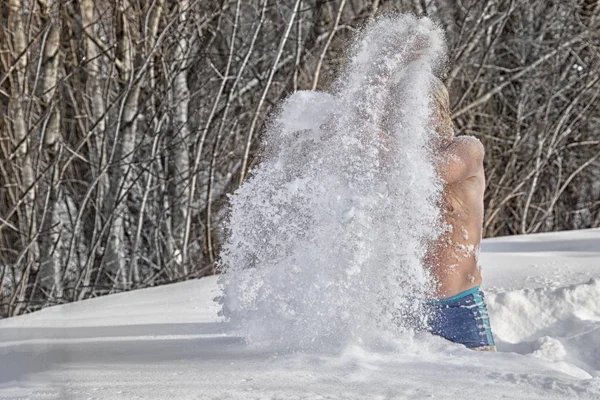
column 458, row 311
column 453, row 258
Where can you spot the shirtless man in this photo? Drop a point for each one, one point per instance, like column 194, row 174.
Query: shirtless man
column 459, row 313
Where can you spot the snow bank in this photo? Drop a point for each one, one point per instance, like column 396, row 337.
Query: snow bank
column 317, row 221
column 167, row 342
column 560, row 325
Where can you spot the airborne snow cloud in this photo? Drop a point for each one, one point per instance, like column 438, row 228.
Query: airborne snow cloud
column 326, row 238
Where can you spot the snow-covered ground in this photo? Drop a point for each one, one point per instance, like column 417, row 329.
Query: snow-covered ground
column 543, row 292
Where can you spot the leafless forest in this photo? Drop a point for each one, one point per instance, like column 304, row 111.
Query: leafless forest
column 125, row 123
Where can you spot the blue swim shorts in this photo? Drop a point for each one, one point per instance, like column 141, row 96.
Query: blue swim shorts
column 462, row 319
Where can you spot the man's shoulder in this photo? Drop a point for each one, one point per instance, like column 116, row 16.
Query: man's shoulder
column 467, row 148
column 470, row 143
column 462, row 160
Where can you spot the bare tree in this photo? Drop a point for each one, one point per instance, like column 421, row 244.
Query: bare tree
column 53, row 255
column 23, row 156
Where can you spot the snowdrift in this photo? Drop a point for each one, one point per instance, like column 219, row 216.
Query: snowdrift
column 543, row 292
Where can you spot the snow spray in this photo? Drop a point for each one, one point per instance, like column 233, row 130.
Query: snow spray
column 326, row 238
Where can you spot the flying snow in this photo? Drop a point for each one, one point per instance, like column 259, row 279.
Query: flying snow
column 326, row 238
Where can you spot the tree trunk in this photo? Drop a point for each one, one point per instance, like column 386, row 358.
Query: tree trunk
column 54, row 258
column 96, row 121
column 118, row 252
column 179, row 158
column 22, row 154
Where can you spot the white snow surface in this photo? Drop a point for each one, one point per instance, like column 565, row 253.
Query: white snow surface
column 543, row 293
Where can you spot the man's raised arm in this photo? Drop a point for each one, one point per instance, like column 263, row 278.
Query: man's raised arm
column 460, row 160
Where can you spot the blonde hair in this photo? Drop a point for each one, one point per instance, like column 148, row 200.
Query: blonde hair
column 440, row 104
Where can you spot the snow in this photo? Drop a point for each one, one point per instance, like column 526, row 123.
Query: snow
column 518, row 252
column 319, row 222
column 543, row 293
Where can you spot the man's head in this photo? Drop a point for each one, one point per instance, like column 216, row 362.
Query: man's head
column 441, row 118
